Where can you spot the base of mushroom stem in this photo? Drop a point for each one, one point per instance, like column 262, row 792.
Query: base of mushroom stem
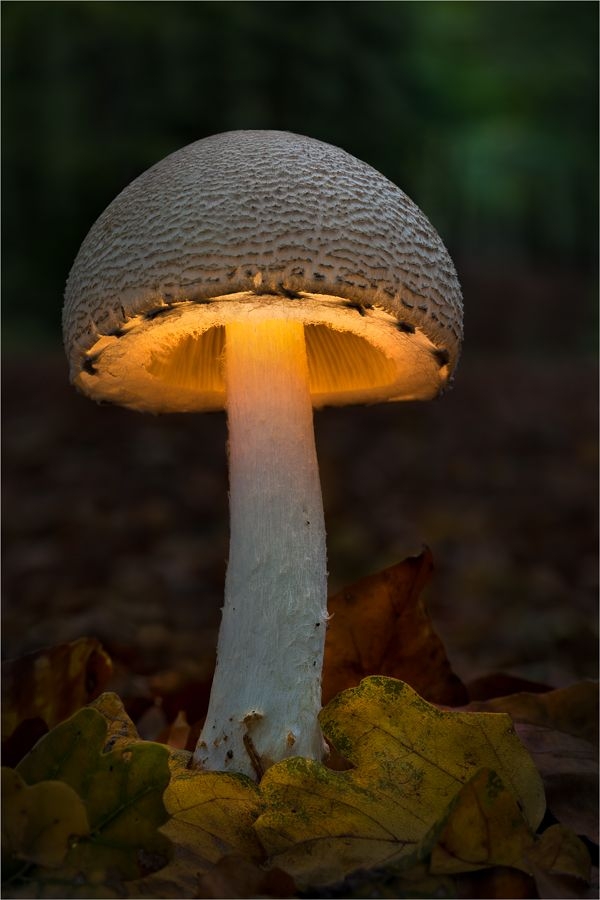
column 251, row 750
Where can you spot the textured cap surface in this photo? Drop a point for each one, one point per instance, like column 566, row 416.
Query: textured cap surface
column 258, row 212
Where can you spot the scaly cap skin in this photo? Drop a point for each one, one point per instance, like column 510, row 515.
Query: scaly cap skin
column 249, row 213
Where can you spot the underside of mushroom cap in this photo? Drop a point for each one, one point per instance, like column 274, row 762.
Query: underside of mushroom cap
column 261, row 223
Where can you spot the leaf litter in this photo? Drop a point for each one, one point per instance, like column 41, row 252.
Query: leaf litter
column 428, row 802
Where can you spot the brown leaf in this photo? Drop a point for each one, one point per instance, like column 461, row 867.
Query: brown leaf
column 380, row 626
column 500, row 684
column 236, row 876
column 120, row 730
column 560, row 852
column 52, row 684
column 569, row 770
column 560, row 730
column 573, row 710
column 560, row 865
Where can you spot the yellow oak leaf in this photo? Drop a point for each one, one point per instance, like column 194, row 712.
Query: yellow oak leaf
column 212, row 815
column 410, row 761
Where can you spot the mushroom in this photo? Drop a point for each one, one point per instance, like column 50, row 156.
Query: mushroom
column 265, row 273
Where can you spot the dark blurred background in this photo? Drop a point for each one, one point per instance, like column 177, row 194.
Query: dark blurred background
column 115, row 524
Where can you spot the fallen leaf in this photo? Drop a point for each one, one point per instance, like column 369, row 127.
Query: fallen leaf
column 380, row 626
column 560, row 730
column 52, row 684
column 573, row 710
column 484, row 828
column 122, row 794
column 212, row 815
column 39, row 823
column 120, row 730
column 569, row 770
column 560, row 852
column 500, row 684
column 212, row 812
column 411, row 760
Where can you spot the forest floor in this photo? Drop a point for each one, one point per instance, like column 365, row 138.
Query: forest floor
column 115, row 523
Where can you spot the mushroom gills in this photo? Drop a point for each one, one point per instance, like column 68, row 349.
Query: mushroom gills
column 338, row 362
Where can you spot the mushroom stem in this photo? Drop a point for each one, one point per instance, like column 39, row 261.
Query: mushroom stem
column 266, row 692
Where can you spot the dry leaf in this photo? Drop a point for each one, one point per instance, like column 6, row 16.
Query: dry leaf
column 485, row 828
column 560, row 852
column 212, row 814
column 560, row 730
column 573, row 710
column 121, row 792
column 411, row 761
column 569, row 770
column 120, row 730
column 380, row 626
column 52, row 684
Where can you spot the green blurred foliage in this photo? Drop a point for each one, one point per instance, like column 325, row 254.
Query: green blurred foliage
column 484, row 113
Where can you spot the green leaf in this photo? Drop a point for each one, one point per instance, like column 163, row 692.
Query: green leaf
column 122, row 793
column 411, row 760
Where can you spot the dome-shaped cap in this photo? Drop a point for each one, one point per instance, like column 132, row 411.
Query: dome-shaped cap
column 260, row 223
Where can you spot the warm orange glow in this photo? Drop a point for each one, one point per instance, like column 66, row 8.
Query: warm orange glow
column 338, row 361
column 194, row 363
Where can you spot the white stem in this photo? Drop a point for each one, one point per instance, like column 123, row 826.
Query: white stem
column 266, row 692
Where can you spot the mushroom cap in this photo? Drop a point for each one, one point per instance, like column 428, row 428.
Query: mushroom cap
column 261, row 224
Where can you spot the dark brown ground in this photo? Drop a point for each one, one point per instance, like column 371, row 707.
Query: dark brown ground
column 115, row 524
